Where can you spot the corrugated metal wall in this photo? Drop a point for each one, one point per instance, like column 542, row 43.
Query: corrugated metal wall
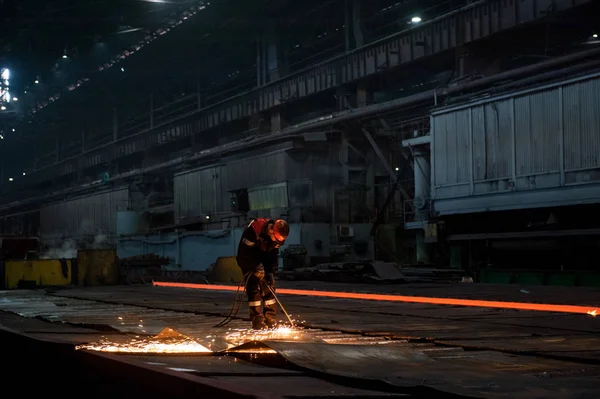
column 268, row 197
column 277, row 179
column 546, row 137
column 257, row 171
column 84, row 216
column 201, row 192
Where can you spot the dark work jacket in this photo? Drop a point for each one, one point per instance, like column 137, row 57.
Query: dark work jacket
column 256, row 247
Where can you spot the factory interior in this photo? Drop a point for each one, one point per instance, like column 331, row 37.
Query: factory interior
column 436, row 163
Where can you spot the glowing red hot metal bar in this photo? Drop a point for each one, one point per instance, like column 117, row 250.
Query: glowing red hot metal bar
column 540, row 307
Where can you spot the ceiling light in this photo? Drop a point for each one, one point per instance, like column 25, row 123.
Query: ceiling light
column 24, row 173
column 10, row 179
column 416, row 20
column 15, row 99
column 36, row 81
column 14, row 129
column 595, row 35
column 3, row 108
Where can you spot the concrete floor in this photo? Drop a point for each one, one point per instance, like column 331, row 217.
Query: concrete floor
column 350, row 348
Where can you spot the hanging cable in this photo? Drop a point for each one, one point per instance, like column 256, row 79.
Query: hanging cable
column 235, row 308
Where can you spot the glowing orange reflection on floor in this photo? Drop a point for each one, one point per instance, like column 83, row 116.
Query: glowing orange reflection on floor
column 400, row 298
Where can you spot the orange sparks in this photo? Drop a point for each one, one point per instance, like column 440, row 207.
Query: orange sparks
column 167, row 341
column 540, row 307
column 241, row 336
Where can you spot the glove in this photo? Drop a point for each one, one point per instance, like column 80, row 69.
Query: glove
column 270, row 280
column 259, row 271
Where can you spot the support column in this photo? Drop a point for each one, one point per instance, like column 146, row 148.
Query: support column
column 272, row 58
column 36, row 155
column 456, row 257
column 362, row 95
column 275, row 120
column 344, row 149
column 422, row 185
column 422, row 248
column 82, row 139
column 151, row 111
column 370, row 180
column 270, row 64
column 357, row 23
column 347, row 24
column 57, row 144
column 115, row 123
column 422, row 193
column 353, row 25
column 259, row 61
column 199, row 95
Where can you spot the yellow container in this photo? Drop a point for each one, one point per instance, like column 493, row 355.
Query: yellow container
column 226, row 270
column 41, row 273
column 97, row 267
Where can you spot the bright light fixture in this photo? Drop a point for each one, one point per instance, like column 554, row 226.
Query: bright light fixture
column 595, row 35
column 14, row 129
column 10, row 179
column 3, row 108
column 24, row 173
column 416, row 20
column 15, row 99
column 5, row 74
column 36, row 81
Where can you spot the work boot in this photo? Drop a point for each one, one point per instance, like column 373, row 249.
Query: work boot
column 269, row 311
column 270, row 322
column 258, row 323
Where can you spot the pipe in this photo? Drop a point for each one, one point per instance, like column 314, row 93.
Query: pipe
column 348, row 115
column 533, row 79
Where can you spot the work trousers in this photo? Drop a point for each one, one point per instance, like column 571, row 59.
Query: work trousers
column 258, row 292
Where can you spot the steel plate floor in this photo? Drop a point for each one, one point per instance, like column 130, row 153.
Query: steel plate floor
column 346, row 347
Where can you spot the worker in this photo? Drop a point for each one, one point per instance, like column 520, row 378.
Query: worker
column 258, row 256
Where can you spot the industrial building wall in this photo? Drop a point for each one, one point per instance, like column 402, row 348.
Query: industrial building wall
column 92, row 215
column 200, row 192
column 278, row 180
column 197, row 250
column 530, row 149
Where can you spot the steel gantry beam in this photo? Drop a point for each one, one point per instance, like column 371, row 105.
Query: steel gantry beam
column 473, row 22
column 186, row 124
